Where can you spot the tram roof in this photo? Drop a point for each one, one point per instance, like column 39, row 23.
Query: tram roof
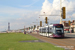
column 50, row 25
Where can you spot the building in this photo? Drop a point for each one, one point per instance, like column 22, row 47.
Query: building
column 68, row 27
column 72, row 25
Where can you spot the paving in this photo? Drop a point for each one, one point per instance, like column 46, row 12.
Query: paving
column 67, row 42
column 70, row 35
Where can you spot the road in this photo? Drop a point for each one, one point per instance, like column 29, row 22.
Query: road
column 68, row 42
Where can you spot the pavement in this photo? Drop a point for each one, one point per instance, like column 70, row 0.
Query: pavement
column 70, row 34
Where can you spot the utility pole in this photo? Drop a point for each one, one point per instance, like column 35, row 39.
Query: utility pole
column 37, row 21
column 60, row 12
column 70, row 23
column 44, row 17
column 31, row 26
column 24, row 29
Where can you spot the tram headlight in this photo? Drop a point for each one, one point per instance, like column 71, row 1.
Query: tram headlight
column 55, row 34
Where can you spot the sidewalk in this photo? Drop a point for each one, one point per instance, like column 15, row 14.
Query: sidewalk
column 70, row 33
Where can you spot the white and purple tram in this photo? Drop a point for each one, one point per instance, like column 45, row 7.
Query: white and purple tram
column 53, row 30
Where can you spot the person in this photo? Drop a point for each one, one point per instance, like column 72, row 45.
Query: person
column 25, row 32
column 72, row 31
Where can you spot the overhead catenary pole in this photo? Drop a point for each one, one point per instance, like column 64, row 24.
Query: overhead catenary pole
column 70, row 22
column 24, row 29
column 60, row 12
column 31, row 26
column 44, row 18
column 37, row 22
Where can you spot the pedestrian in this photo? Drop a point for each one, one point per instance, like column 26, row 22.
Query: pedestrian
column 72, row 31
column 24, row 32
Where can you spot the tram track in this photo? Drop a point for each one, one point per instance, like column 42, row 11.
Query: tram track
column 54, row 41
column 66, row 42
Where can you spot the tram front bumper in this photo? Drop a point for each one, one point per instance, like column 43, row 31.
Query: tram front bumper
column 58, row 35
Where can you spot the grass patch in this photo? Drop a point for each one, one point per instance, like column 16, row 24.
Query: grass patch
column 10, row 41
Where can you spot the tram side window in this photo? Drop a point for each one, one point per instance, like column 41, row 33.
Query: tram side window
column 50, row 30
column 40, row 30
column 47, row 29
column 43, row 30
column 54, row 30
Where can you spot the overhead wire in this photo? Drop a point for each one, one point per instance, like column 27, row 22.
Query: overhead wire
column 56, row 6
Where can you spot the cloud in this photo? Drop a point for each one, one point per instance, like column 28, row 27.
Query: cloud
column 73, row 15
column 46, row 7
column 49, row 9
column 54, row 8
column 24, row 20
column 29, row 19
column 19, row 23
column 17, row 17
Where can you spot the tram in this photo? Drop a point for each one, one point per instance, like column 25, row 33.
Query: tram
column 53, row 30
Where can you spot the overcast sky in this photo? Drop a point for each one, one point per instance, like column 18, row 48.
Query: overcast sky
column 22, row 13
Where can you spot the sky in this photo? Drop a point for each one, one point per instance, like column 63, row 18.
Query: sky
column 27, row 13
